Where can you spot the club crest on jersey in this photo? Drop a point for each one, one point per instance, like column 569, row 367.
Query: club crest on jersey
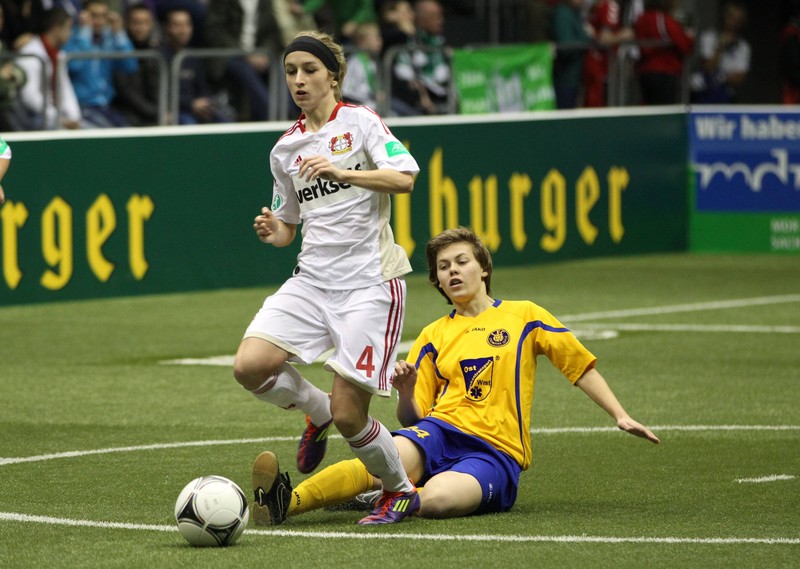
column 478, row 377
column 341, row 143
column 497, row 338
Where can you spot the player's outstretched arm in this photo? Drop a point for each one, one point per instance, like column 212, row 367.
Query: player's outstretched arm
column 593, row 384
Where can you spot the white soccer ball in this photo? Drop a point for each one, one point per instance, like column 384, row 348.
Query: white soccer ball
column 211, row 511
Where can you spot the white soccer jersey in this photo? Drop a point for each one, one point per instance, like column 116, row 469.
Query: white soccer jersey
column 347, row 239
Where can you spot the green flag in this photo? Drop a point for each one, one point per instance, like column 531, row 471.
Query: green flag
column 504, row 79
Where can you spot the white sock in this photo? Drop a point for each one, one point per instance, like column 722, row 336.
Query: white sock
column 376, row 449
column 290, row 390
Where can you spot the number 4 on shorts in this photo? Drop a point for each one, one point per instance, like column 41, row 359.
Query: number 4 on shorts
column 365, row 362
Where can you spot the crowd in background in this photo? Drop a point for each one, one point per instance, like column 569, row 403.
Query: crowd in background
column 665, row 48
column 113, row 76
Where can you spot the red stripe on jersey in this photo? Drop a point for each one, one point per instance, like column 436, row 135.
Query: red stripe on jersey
column 335, row 111
column 291, row 129
column 372, row 434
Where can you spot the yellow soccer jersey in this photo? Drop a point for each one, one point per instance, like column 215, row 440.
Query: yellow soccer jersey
column 477, row 374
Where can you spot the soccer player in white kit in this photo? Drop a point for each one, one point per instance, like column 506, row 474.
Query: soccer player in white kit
column 333, row 171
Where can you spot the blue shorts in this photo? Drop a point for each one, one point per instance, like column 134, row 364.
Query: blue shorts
column 446, row 448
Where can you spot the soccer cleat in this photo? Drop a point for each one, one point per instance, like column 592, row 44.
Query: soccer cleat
column 363, row 502
column 312, row 446
column 273, row 491
column 393, row 507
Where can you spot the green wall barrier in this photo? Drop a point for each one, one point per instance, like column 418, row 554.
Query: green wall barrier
column 159, row 210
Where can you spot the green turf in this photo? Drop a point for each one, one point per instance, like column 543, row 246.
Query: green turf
column 79, row 376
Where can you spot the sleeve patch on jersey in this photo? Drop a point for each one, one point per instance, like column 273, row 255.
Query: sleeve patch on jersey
column 478, row 377
column 395, row 149
column 277, row 202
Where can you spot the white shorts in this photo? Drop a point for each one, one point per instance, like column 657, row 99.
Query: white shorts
column 362, row 326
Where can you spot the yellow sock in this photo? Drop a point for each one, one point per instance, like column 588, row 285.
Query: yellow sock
column 335, row 484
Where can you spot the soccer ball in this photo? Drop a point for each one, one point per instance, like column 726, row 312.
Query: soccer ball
column 211, row 511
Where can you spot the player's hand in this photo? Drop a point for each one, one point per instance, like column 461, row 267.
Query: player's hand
column 319, row 167
column 259, row 62
column 637, row 429
column 266, row 225
column 115, row 22
column 405, row 377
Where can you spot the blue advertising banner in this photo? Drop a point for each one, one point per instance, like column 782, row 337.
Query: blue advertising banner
column 745, row 161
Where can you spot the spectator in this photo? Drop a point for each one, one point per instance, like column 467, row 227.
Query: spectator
column 397, row 26
column 724, row 59
column 65, row 113
column 424, row 71
column 100, row 31
column 137, row 93
column 661, row 66
column 569, row 28
column 195, row 102
column 22, row 18
column 608, row 31
column 537, row 16
column 244, row 25
column 34, row 10
column 361, row 82
column 292, row 18
column 347, row 15
column 397, row 23
column 197, row 9
column 790, row 56
column 12, row 78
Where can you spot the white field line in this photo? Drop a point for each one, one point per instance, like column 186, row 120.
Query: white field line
column 694, row 307
column 771, row 478
column 13, row 517
column 728, row 328
column 537, row 431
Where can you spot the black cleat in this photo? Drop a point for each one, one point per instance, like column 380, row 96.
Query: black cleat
column 272, row 490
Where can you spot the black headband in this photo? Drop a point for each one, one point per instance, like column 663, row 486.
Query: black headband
column 316, row 48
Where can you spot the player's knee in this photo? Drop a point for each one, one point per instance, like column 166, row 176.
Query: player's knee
column 249, row 373
column 433, row 504
column 441, row 503
column 347, row 424
column 243, row 375
column 350, row 414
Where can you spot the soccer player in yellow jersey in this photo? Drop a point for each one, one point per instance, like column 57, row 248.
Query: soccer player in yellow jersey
column 465, row 396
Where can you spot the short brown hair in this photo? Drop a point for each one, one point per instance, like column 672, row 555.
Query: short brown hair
column 450, row 237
